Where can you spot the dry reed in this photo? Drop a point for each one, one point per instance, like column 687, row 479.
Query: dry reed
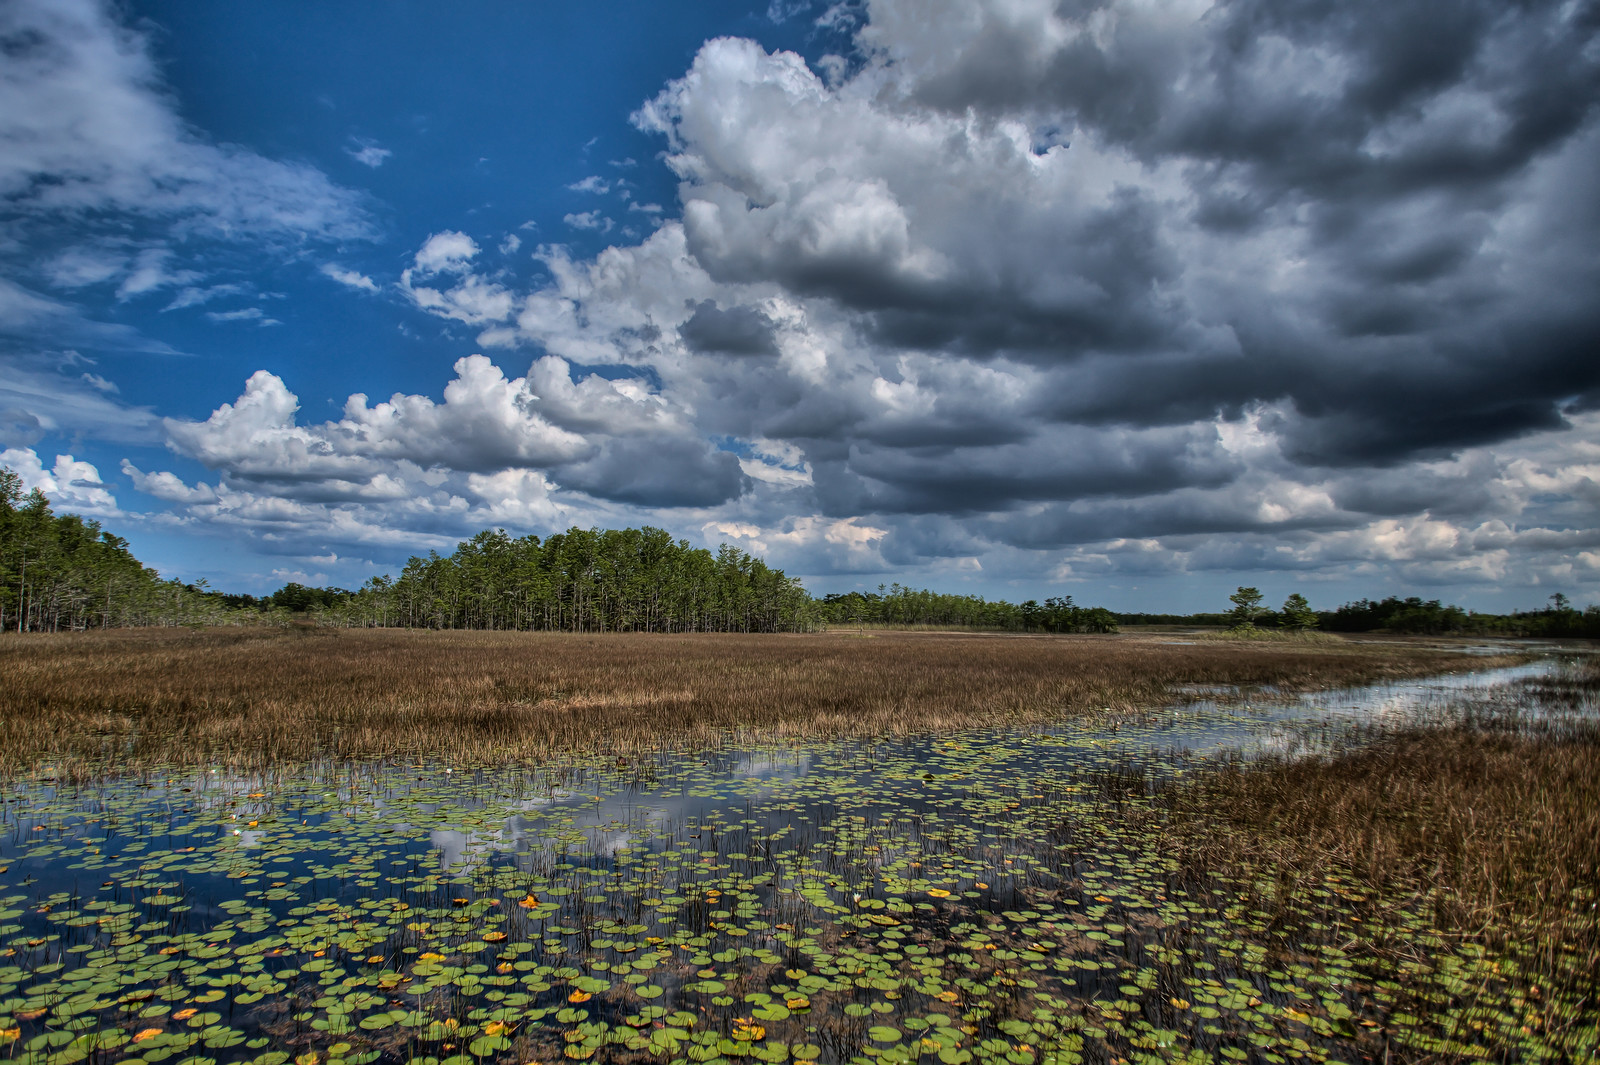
column 1499, row 832
column 1486, row 834
column 74, row 705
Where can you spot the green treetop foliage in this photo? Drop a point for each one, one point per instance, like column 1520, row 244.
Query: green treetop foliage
column 1246, row 607
column 62, row 572
column 584, row 580
column 298, row 599
column 898, row 605
column 1297, row 614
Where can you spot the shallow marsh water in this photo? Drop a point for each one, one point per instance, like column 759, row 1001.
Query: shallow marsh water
column 977, row 896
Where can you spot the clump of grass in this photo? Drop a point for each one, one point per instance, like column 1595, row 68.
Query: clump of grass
column 1251, row 634
column 82, row 704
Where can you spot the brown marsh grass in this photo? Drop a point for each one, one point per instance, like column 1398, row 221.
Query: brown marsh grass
column 1498, row 832
column 1485, row 832
column 76, row 705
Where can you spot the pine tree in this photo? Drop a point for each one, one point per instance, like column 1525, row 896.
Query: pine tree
column 1298, row 615
column 1246, row 607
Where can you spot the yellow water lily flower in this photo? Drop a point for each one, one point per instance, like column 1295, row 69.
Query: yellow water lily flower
column 747, row 1028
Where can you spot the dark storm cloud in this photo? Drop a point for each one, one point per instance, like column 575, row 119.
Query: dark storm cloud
column 1380, row 402
column 920, row 538
column 1098, row 287
column 1379, row 436
column 1066, row 466
column 1221, row 92
column 1385, row 142
column 711, row 330
column 823, row 420
column 660, row 472
column 1428, row 400
column 1450, row 493
column 1185, row 513
column 1527, row 59
column 948, row 429
column 1165, row 389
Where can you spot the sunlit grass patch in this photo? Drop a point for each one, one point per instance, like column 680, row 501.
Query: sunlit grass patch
column 94, row 702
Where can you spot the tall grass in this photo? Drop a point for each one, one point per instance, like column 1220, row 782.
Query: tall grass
column 1499, row 833
column 1485, row 832
column 74, row 705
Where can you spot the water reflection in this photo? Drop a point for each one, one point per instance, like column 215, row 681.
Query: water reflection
column 654, row 814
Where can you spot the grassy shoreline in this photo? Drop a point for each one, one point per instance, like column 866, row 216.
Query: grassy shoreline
column 249, row 698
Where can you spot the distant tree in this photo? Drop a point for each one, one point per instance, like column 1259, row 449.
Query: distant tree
column 1559, row 602
column 1246, row 607
column 1297, row 614
column 1096, row 619
column 297, row 598
column 900, row 605
column 1410, row 615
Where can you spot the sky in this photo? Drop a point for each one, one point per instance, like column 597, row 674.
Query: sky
column 1127, row 300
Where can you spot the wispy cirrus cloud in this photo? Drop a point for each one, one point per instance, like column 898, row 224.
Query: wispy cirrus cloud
column 88, row 127
column 103, row 183
column 368, row 153
column 349, row 278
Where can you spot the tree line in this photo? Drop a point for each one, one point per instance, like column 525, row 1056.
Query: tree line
column 582, row 580
column 640, row 580
column 899, row 605
column 1413, row 615
column 60, row 572
column 1410, row 616
column 64, row 572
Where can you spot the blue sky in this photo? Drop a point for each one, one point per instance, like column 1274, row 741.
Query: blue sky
column 1128, row 302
